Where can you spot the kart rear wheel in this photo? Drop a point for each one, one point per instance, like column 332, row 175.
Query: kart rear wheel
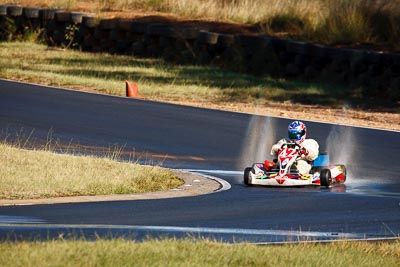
column 247, row 177
column 325, row 177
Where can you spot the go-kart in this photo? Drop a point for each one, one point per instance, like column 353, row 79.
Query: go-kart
column 283, row 172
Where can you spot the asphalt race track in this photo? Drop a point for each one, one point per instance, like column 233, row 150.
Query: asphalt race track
column 210, row 142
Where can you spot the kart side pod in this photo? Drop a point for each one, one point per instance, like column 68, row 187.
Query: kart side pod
column 322, row 160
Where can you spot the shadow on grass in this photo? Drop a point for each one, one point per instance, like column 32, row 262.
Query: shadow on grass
column 235, row 87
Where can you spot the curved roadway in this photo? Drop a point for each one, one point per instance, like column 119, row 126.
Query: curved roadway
column 212, row 142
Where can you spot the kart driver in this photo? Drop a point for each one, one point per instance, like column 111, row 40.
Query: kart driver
column 309, row 147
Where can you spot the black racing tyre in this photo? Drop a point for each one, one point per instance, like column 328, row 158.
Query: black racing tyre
column 205, row 37
column 138, row 49
column 108, row 24
column 246, row 176
column 114, row 35
column 124, row 24
column 253, row 42
column 299, row 48
column 186, row 57
column 62, row 16
column 189, row 33
column 139, row 27
column 3, row 10
column 159, row 29
column 14, row 11
column 90, row 22
column 325, row 177
column 31, row 12
column 88, row 41
column 315, row 169
column 76, row 17
column 48, row 14
column 99, row 34
column 226, row 40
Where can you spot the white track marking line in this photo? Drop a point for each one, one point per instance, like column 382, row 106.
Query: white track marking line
column 208, row 230
column 5, row 219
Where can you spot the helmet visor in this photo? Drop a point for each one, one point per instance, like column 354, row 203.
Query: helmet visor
column 295, row 134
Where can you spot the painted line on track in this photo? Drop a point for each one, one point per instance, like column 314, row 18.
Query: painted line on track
column 246, row 235
column 215, row 171
column 6, row 219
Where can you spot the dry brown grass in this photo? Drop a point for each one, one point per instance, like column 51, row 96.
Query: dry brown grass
column 28, row 174
column 171, row 252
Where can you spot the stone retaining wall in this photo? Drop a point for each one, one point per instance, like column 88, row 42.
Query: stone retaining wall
column 377, row 74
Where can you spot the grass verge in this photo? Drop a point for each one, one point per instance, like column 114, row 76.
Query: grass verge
column 30, row 174
column 172, row 252
column 157, row 80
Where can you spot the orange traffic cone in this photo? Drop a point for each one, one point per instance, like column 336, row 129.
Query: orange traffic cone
column 132, row 89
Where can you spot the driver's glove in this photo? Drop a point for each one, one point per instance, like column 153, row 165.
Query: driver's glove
column 275, row 150
column 304, row 151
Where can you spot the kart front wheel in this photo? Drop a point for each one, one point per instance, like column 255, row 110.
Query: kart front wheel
column 325, row 177
column 247, row 177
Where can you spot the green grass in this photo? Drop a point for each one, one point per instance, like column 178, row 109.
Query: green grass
column 156, row 79
column 30, row 174
column 172, row 252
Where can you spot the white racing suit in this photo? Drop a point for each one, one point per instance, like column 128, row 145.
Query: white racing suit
column 303, row 163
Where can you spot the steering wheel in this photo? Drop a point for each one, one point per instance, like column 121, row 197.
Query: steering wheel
column 294, row 145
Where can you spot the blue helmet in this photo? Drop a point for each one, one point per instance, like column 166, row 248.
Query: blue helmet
column 297, row 132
